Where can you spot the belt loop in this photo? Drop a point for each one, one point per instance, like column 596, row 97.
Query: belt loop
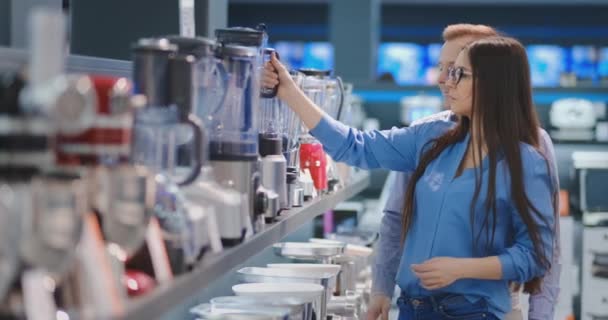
column 434, row 303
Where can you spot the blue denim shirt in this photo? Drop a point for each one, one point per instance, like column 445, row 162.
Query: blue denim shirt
column 388, row 254
column 441, row 225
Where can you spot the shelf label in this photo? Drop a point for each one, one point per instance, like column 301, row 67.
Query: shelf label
column 186, row 18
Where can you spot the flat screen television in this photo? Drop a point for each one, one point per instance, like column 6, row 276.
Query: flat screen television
column 318, row 55
column 547, row 64
column 404, row 62
column 291, row 53
column 431, row 74
column 583, row 63
column 602, row 63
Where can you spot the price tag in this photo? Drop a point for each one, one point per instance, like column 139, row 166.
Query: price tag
column 186, row 18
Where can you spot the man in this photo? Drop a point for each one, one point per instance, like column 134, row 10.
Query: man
column 389, row 246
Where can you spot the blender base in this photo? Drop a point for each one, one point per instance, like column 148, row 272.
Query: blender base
column 231, row 242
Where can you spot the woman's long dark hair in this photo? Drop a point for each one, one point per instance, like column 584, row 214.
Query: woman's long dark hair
column 504, row 116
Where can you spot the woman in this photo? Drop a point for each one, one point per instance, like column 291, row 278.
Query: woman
column 478, row 210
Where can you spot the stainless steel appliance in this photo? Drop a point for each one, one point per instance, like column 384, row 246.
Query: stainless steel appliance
column 277, row 275
column 233, row 135
column 273, row 167
column 156, row 65
column 234, row 145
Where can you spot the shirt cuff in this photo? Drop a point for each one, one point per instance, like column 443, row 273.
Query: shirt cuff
column 508, row 267
column 383, row 284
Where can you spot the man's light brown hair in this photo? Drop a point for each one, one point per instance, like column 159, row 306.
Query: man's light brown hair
column 456, row 31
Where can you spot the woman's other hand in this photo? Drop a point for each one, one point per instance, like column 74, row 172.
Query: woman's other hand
column 439, row 272
column 379, row 307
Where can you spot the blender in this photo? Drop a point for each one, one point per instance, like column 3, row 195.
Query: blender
column 157, row 64
column 233, row 134
column 120, row 195
column 329, row 94
column 214, row 208
column 291, row 128
column 331, row 99
column 263, row 200
column 313, row 160
column 273, row 165
column 166, row 76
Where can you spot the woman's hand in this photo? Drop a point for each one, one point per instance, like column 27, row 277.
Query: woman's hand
column 379, row 307
column 275, row 74
column 439, row 272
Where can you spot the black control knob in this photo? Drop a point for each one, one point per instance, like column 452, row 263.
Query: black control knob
column 261, row 202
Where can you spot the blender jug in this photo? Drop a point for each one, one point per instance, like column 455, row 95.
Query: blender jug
column 156, row 63
column 233, row 124
column 332, row 103
column 256, row 39
column 159, row 130
column 335, row 97
column 233, row 134
column 291, row 128
column 273, row 168
column 204, row 200
column 312, row 156
column 210, row 78
column 334, row 107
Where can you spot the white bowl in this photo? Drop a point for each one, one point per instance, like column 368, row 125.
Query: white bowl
column 358, row 251
column 351, row 249
column 313, row 268
column 306, row 291
column 327, row 241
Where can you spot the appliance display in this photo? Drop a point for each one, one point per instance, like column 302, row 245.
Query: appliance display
column 602, row 64
column 404, row 61
column 547, row 64
column 297, row 54
column 318, row 55
column 412, row 64
column 292, row 53
column 433, row 51
column 583, row 63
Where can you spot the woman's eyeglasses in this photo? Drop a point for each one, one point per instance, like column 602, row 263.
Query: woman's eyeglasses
column 455, row 74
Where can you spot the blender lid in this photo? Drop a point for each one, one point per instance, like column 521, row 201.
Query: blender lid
column 231, row 50
column 154, row 44
column 17, row 174
column 315, row 72
column 198, row 47
column 241, row 35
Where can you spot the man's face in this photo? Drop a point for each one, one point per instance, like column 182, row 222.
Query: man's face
column 448, row 55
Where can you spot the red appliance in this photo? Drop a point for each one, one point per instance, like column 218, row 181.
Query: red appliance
column 313, row 158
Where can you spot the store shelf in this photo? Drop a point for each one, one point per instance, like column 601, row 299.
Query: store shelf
column 164, row 298
column 13, row 59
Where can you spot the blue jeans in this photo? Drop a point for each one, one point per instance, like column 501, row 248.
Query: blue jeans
column 443, row 307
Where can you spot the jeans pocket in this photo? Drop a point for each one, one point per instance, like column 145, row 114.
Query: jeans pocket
column 457, row 307
column 405, row 311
